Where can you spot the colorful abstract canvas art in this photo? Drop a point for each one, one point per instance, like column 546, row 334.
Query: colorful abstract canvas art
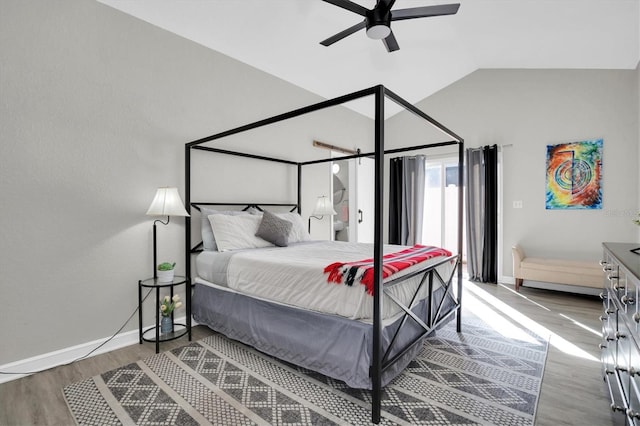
column 574, row 175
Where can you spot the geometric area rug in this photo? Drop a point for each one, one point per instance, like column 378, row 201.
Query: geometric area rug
column 476, row 377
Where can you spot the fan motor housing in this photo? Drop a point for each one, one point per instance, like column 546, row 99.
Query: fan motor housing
column 378, row 23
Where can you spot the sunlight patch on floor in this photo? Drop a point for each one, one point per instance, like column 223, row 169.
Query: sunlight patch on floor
column 581, row 325
column 500, row 322
column 501, row 325
column 524, row 297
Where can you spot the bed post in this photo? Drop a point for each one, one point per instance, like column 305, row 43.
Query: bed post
column 187, row 201
column 460, row 228
column 299, row 188
column 376, row 364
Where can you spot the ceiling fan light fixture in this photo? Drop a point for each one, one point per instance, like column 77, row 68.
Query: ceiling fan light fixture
column 378, row 32
column 377, row 21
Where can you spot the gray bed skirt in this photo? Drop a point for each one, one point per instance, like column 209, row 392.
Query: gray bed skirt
column 332, row 345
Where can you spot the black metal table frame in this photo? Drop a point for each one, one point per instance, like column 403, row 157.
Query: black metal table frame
column 153, row 283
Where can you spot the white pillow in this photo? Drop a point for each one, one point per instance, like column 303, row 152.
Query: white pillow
column 299, row 231
column 237, row 232
column 208, row 239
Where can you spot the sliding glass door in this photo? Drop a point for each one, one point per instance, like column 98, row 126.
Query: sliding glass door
column 441, row 204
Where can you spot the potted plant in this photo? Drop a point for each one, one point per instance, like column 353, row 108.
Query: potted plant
column 165, row 272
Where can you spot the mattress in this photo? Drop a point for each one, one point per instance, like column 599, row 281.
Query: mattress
column 295, row 276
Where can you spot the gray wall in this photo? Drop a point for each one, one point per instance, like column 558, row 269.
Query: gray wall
column 525, row 110
column 96, row 106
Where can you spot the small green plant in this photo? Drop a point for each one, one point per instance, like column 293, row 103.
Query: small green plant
column 166, row 266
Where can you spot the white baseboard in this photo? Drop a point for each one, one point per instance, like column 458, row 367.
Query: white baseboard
column 507, row 280
column 589, row 291
column 28, row 366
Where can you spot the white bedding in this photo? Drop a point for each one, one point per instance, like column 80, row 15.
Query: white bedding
column 294, row 275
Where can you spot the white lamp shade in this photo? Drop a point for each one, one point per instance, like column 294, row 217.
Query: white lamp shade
column 167, row 202
column 324, row 207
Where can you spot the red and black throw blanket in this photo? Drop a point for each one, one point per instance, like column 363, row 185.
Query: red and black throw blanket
column 348, row 272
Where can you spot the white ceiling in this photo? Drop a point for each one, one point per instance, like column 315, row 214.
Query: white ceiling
column 281, row 37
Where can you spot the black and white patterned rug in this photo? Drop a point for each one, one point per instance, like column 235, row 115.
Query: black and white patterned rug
column 476, row 377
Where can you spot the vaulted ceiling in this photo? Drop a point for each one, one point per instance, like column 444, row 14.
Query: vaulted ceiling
column 282, row 38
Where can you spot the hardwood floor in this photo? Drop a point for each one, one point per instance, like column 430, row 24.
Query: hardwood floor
column 573, row 392
column 38, row 399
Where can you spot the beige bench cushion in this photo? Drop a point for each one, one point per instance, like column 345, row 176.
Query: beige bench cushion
column 561, row 271
column 561, row 265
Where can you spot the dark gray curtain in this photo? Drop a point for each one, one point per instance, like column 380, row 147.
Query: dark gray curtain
column 406, row 199
column 482, row 213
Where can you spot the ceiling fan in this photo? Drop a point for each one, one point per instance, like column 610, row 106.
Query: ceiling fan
column 377, row 21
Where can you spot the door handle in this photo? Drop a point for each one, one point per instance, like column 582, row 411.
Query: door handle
column 359, row 216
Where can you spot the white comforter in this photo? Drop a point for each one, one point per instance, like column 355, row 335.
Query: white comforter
column 294, row 275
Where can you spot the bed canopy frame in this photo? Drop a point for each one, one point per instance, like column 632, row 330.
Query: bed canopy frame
column 379, row 92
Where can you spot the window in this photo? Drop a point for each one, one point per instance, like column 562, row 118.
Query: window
column 441, row 204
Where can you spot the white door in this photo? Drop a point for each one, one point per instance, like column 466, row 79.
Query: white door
column 363, row 213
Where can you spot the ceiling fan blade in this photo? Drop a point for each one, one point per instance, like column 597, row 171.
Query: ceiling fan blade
column 425, row 11
column 343, row 34
column 349, row 5
column 391, row 43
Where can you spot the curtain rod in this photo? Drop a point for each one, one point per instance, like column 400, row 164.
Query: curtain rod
column 334, row 148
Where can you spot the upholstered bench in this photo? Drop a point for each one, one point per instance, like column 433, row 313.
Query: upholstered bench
column 559, row 271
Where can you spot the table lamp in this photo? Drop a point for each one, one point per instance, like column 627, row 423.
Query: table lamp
column 167, row 202
column 324, row 207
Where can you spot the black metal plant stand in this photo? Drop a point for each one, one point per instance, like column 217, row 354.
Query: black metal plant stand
column 153, row 334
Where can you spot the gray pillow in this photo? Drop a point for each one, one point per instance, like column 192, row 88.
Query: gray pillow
column 274, row 229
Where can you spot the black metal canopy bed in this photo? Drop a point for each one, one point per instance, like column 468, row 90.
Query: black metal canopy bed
column 275, row 296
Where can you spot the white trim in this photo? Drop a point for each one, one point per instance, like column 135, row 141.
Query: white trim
column 505, row 279
column 68, row 355
column 590, row 291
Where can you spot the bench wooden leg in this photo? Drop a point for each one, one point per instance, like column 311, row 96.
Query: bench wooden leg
column 518, row 283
